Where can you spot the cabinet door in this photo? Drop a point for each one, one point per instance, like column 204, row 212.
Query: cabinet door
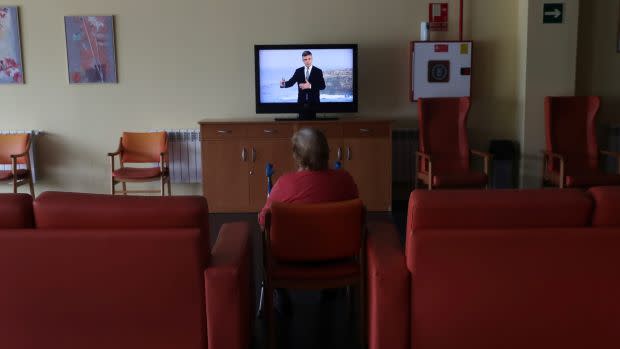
column 225, row 175
column 278, row 153
column 369, row 161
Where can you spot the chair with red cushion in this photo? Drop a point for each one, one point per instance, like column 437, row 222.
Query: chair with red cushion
column 444, row 155
column 572, row 156
column 14, row 151
column 141, row 148
column 312, row 246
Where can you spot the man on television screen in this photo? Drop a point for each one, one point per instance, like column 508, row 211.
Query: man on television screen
column 309, row 79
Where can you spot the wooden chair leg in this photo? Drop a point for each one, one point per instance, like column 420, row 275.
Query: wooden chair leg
column 112, row 188
column 14, row 184
column 163, row 185
column 31, row 186
column 169, row 187
column 124, row 188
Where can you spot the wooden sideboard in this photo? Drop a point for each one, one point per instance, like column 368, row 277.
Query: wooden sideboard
column 234, row 155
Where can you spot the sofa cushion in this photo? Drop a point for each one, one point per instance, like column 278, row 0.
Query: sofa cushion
column 606, row 206
column 96, row 289
column 515, row 288
column 498, row 209
column 16, row 211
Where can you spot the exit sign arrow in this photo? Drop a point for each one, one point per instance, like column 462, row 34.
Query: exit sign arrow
column 553, row 13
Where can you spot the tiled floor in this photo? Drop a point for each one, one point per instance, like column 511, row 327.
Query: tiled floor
column 315, row 322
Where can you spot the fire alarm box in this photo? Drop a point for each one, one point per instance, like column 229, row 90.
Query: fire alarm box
column 440, row 69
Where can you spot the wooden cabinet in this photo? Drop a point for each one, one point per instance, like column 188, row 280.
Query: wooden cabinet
column 234, row 155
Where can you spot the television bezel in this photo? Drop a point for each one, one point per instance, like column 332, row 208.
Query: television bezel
column 293, row 108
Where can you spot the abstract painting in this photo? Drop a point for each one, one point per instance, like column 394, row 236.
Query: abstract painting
column 11, row 70
column 91, row 55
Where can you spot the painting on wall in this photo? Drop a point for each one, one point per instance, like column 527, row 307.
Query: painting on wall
column 91, row 54
column 11, row 69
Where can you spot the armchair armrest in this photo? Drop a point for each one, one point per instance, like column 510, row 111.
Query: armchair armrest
column 388, row 289
column 15, row 156
column 547, row 156
column 485, row 156
column 118, row 151
column 229, row 288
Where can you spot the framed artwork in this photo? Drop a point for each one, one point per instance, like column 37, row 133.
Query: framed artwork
column 11, row 68
column 91, row 53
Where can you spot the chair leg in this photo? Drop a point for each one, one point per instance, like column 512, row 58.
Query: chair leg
column 169, row 187
column 14, row 184
column 163, row 185
column 112, row 188
column 31, row 186
column 124, row 188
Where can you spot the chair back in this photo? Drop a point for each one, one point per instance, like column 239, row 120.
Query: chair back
column 13, row 144
column 315, row 232
column 570, row 127
column 143, row 147
column 443, row 132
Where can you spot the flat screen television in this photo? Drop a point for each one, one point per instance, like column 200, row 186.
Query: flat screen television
column 284, row 84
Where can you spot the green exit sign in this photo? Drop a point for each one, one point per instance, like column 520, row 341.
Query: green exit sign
column 553, row 13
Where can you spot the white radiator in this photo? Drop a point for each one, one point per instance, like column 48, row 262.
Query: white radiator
column 33, row 142
column 184, row 154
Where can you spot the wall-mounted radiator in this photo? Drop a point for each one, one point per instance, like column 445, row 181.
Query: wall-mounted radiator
column 184, row 153
column 404, row 147
column 34, row 134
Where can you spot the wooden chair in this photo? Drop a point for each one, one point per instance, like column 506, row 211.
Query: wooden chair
column 313, row 246
column 572, row 156
column 144, row 148
column 14, row 151
column 443, row 159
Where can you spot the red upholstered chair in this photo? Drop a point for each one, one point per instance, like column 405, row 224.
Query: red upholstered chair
column 443, row 158
column 312, row 246
column 572, row 156
column 145, row 148
column 14, row 150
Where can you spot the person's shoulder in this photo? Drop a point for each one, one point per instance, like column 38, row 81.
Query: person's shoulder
column 317, row 68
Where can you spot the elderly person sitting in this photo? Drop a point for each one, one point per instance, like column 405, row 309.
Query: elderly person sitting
column 313, row 182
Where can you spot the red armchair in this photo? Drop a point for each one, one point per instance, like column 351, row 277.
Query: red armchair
column 100, row 271
column 312, row 246
column 443, row 159
column 498, row 269
column 571, row 157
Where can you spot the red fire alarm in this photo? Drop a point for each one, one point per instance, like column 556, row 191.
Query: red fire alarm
column 438, row 16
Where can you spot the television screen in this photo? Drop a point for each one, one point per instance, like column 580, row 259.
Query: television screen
column 306, row 78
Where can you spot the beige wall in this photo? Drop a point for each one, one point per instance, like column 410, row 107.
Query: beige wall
column 598, row 69
column 187, row 60
column 550, row 70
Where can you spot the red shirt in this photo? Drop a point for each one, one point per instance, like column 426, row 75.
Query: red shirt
column 311, row 187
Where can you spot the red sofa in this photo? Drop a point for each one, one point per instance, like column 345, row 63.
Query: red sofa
column 95, row 271
column 498, row 269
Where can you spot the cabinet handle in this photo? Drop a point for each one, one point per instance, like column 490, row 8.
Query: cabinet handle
column 244, row 154
column 348, row 153
column 364, row 130
column 253, row 154
column 269, row 131
column 339, row 153
column 224, row 132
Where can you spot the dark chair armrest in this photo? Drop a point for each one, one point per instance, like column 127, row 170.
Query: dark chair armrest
column 388, row 289
column 229, row 289
column 481, row 154
column 15, row 156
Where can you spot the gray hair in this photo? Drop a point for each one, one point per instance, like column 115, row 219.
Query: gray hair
column 310, row 149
